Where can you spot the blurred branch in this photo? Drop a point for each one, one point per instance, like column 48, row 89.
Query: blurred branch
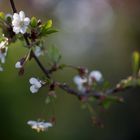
column 64, row 86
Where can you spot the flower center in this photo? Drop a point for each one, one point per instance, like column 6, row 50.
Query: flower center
column 21, row 23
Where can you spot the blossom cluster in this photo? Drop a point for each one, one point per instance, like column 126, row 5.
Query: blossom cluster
column 39, row 125
column 36, row 84
column 84, row 83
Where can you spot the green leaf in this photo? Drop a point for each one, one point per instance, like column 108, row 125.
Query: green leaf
column 33, row 22
column 51, row 31
column 53, row 54
column 48, row 24
column 47, row 29
column 135, row 64
column 2, row 15
column 109, row 100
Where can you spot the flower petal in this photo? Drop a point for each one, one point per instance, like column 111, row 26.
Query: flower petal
column 16, row 16
column 33, row 89
column 79, row 81
column 33, row 80
column 26, row 21
column 16, row 23
column 16, row 29
column 32, row 123
column 38, row 51
column 23, row 29
column 18, row 65
column 22, row 15
column 47, row 124
column 97, row 75
column 38, row 84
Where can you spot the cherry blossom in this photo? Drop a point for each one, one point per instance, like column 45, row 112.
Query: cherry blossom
column 87, row 80
column 35, row 85
column 20, row 22
column 39, row 125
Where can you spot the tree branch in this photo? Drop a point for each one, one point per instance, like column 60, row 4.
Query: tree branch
column 64, row 86
column 45, row 71
column 13, row 6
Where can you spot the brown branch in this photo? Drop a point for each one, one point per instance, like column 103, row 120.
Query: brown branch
column 64, row 86
column 45, row 71
column 13, row 6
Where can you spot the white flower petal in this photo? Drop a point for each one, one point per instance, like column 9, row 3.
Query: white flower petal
column 18, row 65
column 48, row 124
column 79, row 81
column 22, row 15
column 38, row 84
column 15, row 23
column 2, row 44
column 35, row 126
column 31, row 122
column 26, row 21
column 33, row 80
column 16, row 29
column 16, row 16
column 38, row 52
column 33, row 89
column 23, row 29
column 39, row 125
column 97, row 75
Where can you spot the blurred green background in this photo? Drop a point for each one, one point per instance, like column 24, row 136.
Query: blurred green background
column 98, row 34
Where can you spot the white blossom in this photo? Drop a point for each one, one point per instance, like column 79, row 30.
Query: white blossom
column 3, row 49
column 18, row 65
column 35, row 85
column 39, row 125
column 79, row 81
column 38, row 51
column 87, row 81
column 20, row 22
column 96, row 75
